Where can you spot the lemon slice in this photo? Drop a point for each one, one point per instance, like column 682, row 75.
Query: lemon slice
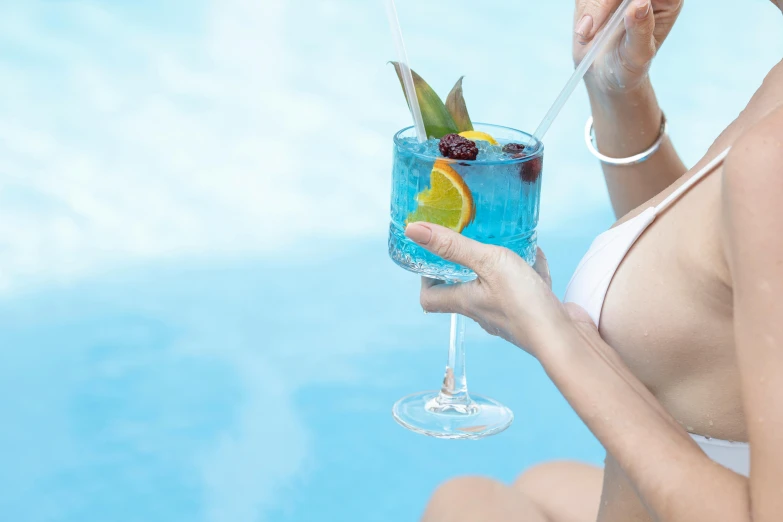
column 448, row 202
column 478, row 135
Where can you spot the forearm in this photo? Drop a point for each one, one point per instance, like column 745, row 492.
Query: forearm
column 626, row 124
column 674, row 478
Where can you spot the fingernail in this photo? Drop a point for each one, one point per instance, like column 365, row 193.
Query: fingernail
column 419, row 233
column 642, row 9
column 584, row 26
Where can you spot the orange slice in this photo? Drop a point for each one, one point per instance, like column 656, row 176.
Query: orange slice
column 448, row 202
column 478, row 135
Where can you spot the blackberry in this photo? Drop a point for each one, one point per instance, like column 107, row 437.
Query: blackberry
column 456, row 147
column 529, row 171
column 513, row 148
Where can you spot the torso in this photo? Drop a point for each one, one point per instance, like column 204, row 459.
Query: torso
column 668, row 313
column 668, row 310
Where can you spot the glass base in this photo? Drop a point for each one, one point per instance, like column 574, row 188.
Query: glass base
column 433, row 414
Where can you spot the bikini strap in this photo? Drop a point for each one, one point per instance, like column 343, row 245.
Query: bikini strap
column 682, row 189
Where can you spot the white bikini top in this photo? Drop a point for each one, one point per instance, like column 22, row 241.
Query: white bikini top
column 590, row 283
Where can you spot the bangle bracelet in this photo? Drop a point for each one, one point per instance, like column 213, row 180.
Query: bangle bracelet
column 632, row 160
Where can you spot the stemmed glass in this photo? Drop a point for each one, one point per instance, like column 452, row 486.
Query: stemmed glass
column 505, row 186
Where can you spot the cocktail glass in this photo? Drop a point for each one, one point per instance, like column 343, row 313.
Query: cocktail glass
column 505, row 189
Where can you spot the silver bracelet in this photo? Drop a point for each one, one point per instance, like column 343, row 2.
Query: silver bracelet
column 632, row 160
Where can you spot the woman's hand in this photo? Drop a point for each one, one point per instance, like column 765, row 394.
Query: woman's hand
column 508, row 299
column 625, row 64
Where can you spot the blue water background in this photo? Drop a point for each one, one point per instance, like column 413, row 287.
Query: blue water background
column 198, row 318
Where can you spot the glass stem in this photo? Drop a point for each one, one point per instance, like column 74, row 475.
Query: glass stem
column 455, row 384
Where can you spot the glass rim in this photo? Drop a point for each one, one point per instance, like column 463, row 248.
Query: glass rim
column 538, row 151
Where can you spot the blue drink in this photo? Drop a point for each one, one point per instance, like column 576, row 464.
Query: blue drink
column 505, row 190
column 503, row 184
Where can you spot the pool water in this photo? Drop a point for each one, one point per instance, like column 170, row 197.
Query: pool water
column 228, row 392
column 199, row 320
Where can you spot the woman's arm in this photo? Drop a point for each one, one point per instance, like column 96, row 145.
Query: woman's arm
column 753, row 204
column 627, row 118
column 627, row 123
column 674, row 479
column 624, row 121
column 665, row 467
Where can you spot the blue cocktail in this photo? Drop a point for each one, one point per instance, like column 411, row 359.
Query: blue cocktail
column 493, row 199
column 505, row 189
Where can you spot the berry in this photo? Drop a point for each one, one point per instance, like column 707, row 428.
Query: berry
column 513, row 148
column 455, row 146
column 530, row 170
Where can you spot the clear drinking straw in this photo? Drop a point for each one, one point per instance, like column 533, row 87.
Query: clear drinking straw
column 407, row 77
column 598, row 44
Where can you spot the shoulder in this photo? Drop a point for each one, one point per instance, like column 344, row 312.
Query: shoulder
column 753, row 189
column 754, row 166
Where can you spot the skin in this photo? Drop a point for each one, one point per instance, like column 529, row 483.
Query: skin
column 690, row 339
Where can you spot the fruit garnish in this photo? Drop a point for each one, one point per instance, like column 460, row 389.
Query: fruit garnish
column 437, row 119
column 513, row 148
column 529, row 171
column 455, row 104
column 474, row 135
column 448, row 202
column 456, row 147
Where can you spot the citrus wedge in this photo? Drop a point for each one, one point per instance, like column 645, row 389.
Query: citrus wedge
column 478, row 135
column 448, row 202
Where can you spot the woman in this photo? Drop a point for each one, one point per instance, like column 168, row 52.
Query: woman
column 672, row 344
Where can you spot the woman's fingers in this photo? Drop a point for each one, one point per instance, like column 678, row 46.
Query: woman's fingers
column 542, row 267
column 452, row 246
column 440, row 298
column 591, row 16
column 666, row 13
column 639, row 46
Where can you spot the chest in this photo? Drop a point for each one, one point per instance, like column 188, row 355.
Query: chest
column 668, row 313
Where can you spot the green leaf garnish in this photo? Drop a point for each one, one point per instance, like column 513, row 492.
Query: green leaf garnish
column 437, row 119
column 455, row 104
